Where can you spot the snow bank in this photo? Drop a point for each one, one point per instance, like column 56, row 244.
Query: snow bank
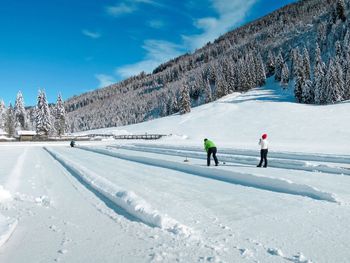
column 245, row 179
column 127, row 200
column 7, row 225
column 4, row 194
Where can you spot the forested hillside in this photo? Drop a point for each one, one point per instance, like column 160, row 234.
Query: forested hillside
column 306, row 42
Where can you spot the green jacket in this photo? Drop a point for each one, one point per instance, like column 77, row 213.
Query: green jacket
column 208, row 144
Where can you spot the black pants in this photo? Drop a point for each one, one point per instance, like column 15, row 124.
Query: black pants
column 213, row 151
column 263, row 157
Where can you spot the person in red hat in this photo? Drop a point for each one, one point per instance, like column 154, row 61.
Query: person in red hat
column 264, row 150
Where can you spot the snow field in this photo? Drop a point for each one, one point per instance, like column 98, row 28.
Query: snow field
column 250, row 180
column 127, row 200
column 288, row 161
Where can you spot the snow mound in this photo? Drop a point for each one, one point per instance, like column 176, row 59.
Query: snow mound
column 7, row 227
column 4, row 194
column 127, row 200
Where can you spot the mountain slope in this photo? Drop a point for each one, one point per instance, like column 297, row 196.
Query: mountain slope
column 238, row 120
column 229, row 64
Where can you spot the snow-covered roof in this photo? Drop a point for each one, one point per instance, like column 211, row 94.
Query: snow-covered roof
column 21, row 133
column 2, row 132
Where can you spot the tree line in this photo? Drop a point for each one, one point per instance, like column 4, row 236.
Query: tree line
column 46, row 119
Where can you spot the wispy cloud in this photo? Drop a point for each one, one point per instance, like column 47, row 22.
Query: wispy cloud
column 128, row 7
column 230, row 13
column 156, row 24
column 157, row 52
column 91, row 34
column 120, row 9
column 105, row 80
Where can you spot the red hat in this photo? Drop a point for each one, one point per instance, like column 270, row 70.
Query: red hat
column 264, row 136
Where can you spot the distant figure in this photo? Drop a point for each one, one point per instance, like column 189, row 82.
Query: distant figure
column 72, row 143
column 210, row 148
column 264, row 150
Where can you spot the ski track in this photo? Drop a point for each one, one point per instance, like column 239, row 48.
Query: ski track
column 8, row 225
column 123, row 202
column 14, row 177
column 244, row 179
column 230, row 156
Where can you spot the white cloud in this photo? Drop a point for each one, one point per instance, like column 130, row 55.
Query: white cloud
column 156, row 24
column 91, row 34
column 158, row 52
column 128, row 7
column 231, row 13
column 120, row 9
column 105, row 80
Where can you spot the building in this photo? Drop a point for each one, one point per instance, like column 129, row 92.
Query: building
column 26, row 135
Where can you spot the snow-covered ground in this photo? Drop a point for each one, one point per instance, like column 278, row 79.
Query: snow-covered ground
column 138, row 201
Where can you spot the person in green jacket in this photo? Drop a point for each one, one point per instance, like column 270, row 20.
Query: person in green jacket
column 210, row 148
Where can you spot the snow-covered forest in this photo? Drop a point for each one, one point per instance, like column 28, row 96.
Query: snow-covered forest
column 305, row 46
column 306, row 43
column 46, row 119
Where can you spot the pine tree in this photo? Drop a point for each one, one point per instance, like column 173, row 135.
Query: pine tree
column 285, row 75
column 347, row 83
column 185, row 100
column 60, row 116
column 260, row 71
column 299, row 78
column 334, row 89
column 207, row 92
column 307, row 93
column 270, row 66
column 10, row 121
column 43, row 116
column 340, row 10
column 20, row 113
column 279, row 66
column 319, row 76
column 2, row 114
column 306, row 64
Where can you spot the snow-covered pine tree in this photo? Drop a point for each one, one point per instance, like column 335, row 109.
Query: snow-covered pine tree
column 260, row 71
column 341, row 10
column 2, row 114
column 60, row 116
column 20, row 112
column 299, row 78
column 285, row 75
column 334, row 90
column 307, row 88
column 185, row 100
column 319, row 76
column 221, row 86
column 207, row 92
column 43, row 116
column 279, row 66
column 296, row 60
column 10, row 121
column 270, row 65
column 307, row 92
column 306, row 64
column 338, row 50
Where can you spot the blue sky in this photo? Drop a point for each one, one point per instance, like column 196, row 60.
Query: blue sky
column 74, row 46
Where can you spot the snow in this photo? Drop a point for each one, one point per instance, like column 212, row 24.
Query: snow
column 239, row 120
column 19, row 133
column 138, row 201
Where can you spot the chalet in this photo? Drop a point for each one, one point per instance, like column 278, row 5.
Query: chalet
column 26, row 135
